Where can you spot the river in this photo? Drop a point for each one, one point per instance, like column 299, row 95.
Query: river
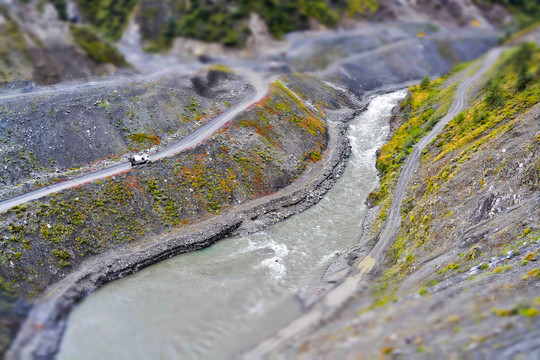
column 217, row 301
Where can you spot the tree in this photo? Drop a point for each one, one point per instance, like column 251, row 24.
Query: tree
column 522, row 77
column 170, row 31
column 494, row 96
column 425, row 83
column 61, row 8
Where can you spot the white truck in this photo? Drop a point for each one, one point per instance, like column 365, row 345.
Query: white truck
column 139, row 159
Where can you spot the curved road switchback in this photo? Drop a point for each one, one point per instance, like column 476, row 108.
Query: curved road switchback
column 198, row 136
column 336, row 298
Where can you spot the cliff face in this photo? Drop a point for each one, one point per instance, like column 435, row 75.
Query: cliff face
column 461, row 276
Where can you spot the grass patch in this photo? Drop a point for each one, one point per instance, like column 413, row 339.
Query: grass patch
column 145, row 140
column 425, row 105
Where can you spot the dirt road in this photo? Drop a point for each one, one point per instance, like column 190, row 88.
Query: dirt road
column 204, row 132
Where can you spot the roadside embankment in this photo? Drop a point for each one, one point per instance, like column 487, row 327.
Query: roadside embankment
column 431, row 55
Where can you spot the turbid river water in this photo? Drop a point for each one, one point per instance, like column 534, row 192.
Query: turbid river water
column 214, row 302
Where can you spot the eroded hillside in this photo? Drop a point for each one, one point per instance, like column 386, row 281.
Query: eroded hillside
column 49, row 136
column 461, row 276
column 37, row 47
column 262, row 151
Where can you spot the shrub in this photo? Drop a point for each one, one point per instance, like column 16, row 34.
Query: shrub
column 97, row 49
column 409, row 143
column 459, row 118
column 431, row 124
column 425, row 83
column 61, row 8
column 523, row 78
column 143, row 139
column 494, row 96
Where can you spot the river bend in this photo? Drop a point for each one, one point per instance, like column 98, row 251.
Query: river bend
column 214, row 302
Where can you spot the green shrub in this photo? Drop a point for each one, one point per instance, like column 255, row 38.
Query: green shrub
column 426, row 81
column 523, row 78
column 61, row 8
column 495, row 95
column 109, row 17
column 97, row 49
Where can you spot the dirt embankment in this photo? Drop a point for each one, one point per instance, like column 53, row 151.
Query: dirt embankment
column 431, row 55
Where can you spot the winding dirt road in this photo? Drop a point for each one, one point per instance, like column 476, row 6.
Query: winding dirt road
column 393, row 222
column 201, row 134
column 337, row 298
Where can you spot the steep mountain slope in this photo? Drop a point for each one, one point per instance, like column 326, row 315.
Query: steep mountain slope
column 461, row 276
column 51, row 41
column 264, row 149
column 270, row 145
column 231, row 24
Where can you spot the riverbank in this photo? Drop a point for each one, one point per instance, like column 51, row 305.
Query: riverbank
column 352, row 279
column 439, row 97
column 239, row 283
column 51, row 312
column 460, row 277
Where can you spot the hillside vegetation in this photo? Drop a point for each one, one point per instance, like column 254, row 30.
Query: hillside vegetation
column 48, row 138
column 461, row 276
column 220, row 21
column 263, row 150
column 35, row 48
column 526, row 12
column 511, row 92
